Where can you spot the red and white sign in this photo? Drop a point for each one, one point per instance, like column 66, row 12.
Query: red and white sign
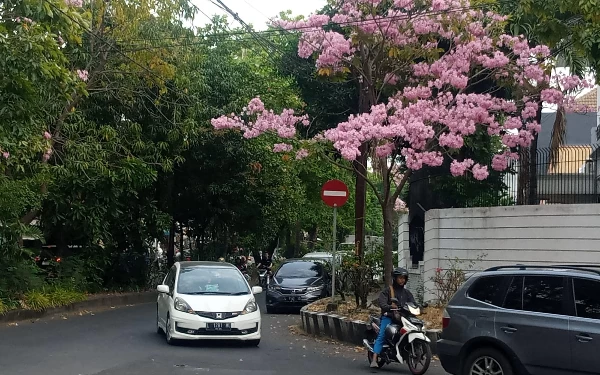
column 335, row 193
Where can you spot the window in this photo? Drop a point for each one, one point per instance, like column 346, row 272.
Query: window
column 487, row 289
column 514, row 294
column 301, row 270
column 587, row 298
column 543, row 294
column 204, row 280
column 170, row 278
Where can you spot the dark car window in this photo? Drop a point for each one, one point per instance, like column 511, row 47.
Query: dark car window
column 543, row 294
column 487, row 289
column 587, row 298
column 514, row 294
column 303, row 270
column 201, row 280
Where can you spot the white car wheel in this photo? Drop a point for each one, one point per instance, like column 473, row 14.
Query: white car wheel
column 158, row 329
column 169, row 331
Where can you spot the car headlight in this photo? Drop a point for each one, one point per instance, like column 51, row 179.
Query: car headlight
column 313, row 289
column 181, row 305
column 274, row 287
column 251, row 307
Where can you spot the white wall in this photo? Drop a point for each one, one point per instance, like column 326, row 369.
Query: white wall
column 545, row 234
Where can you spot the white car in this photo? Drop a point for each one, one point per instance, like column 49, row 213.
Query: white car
column 208, row 301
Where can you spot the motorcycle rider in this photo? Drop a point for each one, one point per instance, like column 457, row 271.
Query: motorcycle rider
column 387, row 301
column 265, row 261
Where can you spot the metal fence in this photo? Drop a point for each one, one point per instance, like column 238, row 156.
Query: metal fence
column 569, row 174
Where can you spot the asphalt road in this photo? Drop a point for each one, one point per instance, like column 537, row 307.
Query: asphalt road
column 123, row 341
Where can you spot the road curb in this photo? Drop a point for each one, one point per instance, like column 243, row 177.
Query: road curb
column 346, row 330
column 112, row 300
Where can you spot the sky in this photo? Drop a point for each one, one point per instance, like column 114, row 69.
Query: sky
column 256, row 12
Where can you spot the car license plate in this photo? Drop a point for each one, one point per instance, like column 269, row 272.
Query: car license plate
column 218, row 326
column 293, row 299
column 45, row 263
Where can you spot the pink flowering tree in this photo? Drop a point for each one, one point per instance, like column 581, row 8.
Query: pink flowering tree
column 430, row 75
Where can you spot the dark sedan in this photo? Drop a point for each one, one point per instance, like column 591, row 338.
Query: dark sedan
column 298, row 282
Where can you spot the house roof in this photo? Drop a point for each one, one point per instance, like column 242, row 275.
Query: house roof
column 590, row 99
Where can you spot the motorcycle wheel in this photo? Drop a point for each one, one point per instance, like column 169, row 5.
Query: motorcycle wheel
column 380, row 361
column 422, row 348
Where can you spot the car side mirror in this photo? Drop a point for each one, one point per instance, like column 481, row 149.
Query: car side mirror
column 257, row 290
column 163, row 288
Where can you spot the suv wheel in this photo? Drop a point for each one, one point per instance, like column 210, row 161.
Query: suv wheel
column 487, row 361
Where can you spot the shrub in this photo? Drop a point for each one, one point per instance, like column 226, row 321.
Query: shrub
column 36, row 300
column 62, row 297
column 3, row 307
column 447, row 281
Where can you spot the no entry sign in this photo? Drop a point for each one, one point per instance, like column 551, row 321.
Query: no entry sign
column 334, row 193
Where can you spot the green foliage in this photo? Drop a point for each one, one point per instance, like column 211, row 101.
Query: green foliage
column 36, row 300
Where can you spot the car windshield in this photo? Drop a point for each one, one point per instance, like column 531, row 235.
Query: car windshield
column 209, row 280
column 303, row 270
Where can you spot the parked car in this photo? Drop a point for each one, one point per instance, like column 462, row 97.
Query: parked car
column 537, row 320
column 298, row 282
column 207, row 300
column 319, row 255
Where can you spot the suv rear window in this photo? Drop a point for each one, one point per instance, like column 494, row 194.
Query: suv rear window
column 487, row 289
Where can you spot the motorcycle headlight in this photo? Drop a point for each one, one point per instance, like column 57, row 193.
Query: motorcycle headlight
column 313, row 289
column 251, row 307
column 181, row 305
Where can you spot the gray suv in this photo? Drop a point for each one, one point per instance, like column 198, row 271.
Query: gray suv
column 538, row 320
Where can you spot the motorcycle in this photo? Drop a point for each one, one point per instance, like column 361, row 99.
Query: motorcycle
column 264, row 276
column 404, row 343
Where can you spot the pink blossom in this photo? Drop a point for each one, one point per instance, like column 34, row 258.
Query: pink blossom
column 282, row 147
column 433, row 111
column 552, row 96
column 47, row 135
column 82, row 74
column 5, row 154
column 480, row 172
column 458, row 168
column 399, row 205
column 24, row 20
column 301, row 154
column 60, row 40
column 74, row 3
column 390, row 79
column 384, row 150
column 500, row 162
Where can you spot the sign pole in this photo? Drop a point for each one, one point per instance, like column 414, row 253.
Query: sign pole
column 334, row 193
column 334, row 253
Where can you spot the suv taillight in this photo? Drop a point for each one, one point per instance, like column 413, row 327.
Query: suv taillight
column 445, row 319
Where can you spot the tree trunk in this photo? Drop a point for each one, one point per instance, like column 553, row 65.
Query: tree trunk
column 312, row 237
column 533, row 180
column 298, row 239
column 360, row 200
column 388, row 241
column 171, row 247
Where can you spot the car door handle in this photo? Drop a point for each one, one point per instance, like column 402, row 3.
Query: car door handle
column 584, row 338
column 509, row 329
